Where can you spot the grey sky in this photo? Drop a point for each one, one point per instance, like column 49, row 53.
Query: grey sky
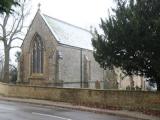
column 82, row 13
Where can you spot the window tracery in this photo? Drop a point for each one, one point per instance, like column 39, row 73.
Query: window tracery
column 37, row 55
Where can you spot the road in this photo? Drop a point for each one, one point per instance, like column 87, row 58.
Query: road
column 26, row 111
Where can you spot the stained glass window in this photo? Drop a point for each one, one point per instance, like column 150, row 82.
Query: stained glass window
column 37, row 55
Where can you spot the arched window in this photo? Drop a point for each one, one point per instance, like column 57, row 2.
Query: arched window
column 37, row 55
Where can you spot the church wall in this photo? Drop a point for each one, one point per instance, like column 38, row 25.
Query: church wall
column 96, row 71
column 39, row 26
column 70, row 67
column 131, row 100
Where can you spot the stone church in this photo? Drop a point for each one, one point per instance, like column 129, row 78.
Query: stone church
column 56, row 53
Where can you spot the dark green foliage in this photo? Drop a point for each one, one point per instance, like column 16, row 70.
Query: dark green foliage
column 131, row 39
column 13, row 74
column 17, row 55
column 5, row 6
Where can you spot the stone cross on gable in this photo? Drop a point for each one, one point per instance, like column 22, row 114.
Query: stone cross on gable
column 39, row 6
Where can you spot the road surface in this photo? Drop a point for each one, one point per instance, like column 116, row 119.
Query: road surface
column 25, row 111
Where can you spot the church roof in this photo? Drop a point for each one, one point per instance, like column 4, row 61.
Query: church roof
column 68, row 34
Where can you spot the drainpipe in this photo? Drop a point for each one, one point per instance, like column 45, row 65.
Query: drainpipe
column 57, row 68
column 81, row 68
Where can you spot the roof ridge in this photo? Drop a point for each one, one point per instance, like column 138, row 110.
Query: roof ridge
column 69, row 34
column 67, row 23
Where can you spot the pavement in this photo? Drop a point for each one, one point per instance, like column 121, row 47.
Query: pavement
column 123, row 113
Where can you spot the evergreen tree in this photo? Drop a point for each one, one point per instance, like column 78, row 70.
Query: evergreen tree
column 5, row 6
column 131, row 39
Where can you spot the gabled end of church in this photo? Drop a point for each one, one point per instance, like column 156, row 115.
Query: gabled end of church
column 56, row 53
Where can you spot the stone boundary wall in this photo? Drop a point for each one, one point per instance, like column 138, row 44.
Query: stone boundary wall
column 89, row 97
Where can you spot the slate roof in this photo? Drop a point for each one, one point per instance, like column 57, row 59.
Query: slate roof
column 68, row 34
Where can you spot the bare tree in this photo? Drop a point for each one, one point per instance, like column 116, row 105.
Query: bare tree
column 11, row 27
column 1, row 66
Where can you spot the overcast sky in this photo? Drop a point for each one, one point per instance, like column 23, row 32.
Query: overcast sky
column 82, row 13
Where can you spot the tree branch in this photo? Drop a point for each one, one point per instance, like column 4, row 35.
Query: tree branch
column 1, row 38
column 4, row 28
column 15, row 47
column 19, row 25
column 1, row 26
column 5, row 20
column 12, row 28
column 15, row 31
column 17, row 38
